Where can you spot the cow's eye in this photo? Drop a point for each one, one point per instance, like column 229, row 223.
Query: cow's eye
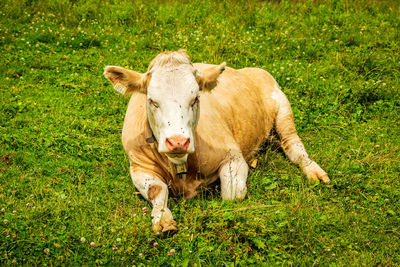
column 153, row 103
column 195, row 101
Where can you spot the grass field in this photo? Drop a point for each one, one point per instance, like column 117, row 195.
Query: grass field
column 64, row 179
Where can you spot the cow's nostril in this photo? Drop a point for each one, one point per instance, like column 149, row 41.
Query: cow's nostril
column 169, row 143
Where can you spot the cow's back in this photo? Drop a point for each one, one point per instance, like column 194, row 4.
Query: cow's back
column 237, row 110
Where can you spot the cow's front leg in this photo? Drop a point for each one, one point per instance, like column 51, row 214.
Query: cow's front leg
column 155, row 191
column 233, row 176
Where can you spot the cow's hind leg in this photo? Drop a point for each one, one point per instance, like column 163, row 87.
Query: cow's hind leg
column 291, row 142
column 233, row 176
column 155, row 191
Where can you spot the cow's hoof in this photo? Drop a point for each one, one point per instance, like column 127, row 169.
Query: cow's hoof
column 323, row 178
column 315, row 172
column 167, row 226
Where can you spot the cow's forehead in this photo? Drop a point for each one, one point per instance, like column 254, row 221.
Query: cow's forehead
column 171, row 81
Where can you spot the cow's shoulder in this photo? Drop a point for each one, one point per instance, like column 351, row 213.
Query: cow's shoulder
column 138, row 140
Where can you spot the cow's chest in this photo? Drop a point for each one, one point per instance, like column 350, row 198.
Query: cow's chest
column 188, row 179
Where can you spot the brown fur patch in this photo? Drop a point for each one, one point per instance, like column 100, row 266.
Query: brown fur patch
column 154, row 190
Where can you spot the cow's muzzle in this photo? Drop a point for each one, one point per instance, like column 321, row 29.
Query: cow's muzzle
column 177, row 145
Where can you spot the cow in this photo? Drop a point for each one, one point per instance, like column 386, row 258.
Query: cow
column 189, row 124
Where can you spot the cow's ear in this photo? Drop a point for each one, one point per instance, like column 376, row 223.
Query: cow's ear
column 127, row 81
column 207, row 79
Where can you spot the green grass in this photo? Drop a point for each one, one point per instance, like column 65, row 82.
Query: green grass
column 64, row 174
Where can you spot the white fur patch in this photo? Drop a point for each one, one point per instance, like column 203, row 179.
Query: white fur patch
column 233, row 176
column 281, row 101
column 277, row 95
column 174, row 89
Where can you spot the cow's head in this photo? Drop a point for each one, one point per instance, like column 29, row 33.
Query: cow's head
column 173, row 88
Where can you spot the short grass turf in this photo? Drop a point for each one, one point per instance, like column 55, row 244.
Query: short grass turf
column 64, row 179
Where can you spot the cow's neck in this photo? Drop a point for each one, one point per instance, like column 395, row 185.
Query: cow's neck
column 179, row 170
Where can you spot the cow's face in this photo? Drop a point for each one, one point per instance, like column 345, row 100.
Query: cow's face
column 173, row 109
column 173, row 100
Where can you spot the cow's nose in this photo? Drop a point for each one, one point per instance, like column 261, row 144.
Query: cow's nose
column 177, row 144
